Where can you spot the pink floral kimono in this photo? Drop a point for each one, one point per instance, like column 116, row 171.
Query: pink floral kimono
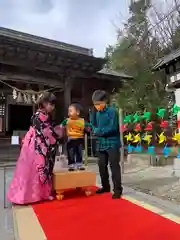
column 32, row 180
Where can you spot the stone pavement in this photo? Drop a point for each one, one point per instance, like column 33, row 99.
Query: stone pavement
column 6, row 220
column 165, row 208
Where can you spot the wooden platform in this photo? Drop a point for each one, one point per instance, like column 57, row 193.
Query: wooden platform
column 26, row 224
column 64, row 180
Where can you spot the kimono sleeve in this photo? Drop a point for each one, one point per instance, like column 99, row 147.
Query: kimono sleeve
column 36, row 121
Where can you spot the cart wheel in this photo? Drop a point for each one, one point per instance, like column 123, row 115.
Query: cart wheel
column 88, row 193
column 60, row 197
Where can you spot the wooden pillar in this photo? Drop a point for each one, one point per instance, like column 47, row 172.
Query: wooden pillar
column 67, row 94
column 84, row 98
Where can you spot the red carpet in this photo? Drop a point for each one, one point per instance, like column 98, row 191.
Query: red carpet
column 99, row 217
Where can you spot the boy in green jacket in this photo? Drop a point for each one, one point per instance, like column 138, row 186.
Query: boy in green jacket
column 105, row 122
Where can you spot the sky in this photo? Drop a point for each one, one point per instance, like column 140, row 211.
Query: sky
column 87, row 23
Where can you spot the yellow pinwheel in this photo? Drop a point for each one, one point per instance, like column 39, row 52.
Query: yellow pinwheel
column 137, row 138
column 176, row 137
column 147, row 138
column 129, row 137
column 162, row 138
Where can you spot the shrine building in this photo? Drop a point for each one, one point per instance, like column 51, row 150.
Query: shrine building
column 30, row 64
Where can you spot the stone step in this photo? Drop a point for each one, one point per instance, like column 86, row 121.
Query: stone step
column 9, row 152
column 5, row 141
column 6, row 149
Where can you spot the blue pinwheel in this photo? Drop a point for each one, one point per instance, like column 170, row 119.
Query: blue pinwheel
column 166, row 151
column 178, row 156
column 138, row 148
column 130, row 148
column 151, row 150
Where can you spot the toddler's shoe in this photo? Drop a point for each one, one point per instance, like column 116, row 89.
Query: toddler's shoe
column 72, row 168
column 80, row 167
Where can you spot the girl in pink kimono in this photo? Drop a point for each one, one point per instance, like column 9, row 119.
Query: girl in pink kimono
column 32, row 180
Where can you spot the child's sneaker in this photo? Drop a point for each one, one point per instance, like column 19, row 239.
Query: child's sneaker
column 80, row 167
column 71, row 168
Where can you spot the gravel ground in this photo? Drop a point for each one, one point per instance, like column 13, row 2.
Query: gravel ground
column 158, row 181
column 6, row 223
column 155, row 181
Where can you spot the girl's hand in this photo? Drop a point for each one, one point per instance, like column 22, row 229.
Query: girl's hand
column 60, row 131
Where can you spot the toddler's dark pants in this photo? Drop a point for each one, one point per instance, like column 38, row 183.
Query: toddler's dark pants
column 74, row 151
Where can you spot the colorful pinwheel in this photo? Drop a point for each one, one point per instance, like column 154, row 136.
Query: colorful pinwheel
column 147, row 138
column 162, row 138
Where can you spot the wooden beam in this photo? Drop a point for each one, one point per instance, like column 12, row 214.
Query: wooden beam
column 68, row 58
column 31, row 79
column 48, row 60
column 51, row 58
column 31, row 55
column 40, row 57
column 32, row 65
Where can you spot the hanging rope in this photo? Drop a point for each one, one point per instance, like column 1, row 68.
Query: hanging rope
column 28, row 91
column 27, row 96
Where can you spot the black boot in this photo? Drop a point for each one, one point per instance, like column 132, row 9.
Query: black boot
column 103, row 190
column 117, row 194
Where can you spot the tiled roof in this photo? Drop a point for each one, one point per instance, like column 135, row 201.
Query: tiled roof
column 167, row 59
column 29, row 38
column 16, row 35
column 113, row 73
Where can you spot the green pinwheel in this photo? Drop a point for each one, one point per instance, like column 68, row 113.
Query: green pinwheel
column 146, row 116
column 127, row 118
column 136, row 117
column 161, row 112
column 175, row 109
